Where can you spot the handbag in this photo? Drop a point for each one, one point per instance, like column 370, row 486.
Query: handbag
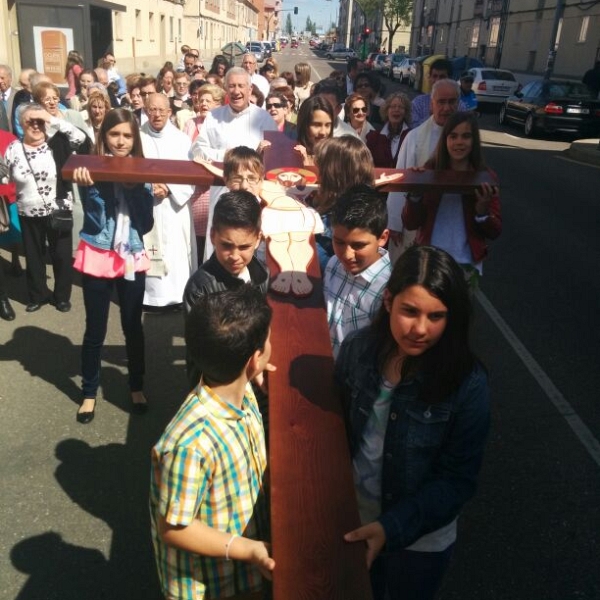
column 61, row 219
column 4, row 215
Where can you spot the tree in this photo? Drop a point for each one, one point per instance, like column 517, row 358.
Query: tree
column 289, row 28
column 395, row 14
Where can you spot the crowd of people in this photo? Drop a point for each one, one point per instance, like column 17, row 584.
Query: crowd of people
column 398, row 274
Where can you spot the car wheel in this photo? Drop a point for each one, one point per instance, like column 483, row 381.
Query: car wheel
column 328, row 56
column 502, row 115
column 528, row 126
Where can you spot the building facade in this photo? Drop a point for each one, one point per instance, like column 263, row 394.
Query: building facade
column 142, row 34
column 511, row 34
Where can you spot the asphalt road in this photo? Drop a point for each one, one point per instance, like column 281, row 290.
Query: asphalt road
column 74, row 520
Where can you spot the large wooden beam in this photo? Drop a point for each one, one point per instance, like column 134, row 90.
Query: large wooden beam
column 154, row 170
column 312, row 493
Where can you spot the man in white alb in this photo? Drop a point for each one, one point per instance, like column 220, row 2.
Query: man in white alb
column 171, row 245
column 418, row 146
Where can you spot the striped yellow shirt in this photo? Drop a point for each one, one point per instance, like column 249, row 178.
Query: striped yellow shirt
column 209, row 465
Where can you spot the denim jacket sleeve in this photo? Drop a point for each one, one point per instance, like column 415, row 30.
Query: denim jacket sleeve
column 94, row 209
column 452, row 479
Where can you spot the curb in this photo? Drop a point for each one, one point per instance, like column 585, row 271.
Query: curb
column 586, row 151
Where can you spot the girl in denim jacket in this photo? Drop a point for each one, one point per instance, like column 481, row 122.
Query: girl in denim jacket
column 417, row 409
column 111, row 254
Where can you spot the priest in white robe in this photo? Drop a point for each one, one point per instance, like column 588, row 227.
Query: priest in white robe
column 171, row 245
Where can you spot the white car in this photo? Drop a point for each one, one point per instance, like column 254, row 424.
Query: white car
column 493, row 85
column 346, row 53
column 401, row 71
column 379, row 62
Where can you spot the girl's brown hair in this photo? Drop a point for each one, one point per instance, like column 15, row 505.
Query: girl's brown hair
column 343, row 163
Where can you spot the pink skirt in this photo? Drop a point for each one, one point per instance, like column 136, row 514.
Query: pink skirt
column 105, row 263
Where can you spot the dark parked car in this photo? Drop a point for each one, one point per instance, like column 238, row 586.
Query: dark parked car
column 551, row 106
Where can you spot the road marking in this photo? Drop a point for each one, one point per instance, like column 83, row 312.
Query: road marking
column 577, row 162
column 580, row 429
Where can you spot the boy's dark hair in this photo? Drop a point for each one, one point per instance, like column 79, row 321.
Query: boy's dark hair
column 329, row 86
column 223, row 330
column 239, row 209
column 361, row 207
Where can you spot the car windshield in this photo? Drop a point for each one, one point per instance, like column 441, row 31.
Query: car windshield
column 497, row 75
column 567, row 89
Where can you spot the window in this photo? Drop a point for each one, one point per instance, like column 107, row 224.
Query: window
column 494, row 30
column 138, row 24
column 179, row 29
column 475, row 35
column 151, row 26
column 118, row 25
column 585, row 21
column 171, row 30
column 558, row 32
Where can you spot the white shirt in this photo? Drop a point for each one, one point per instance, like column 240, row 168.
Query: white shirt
column 417, row 148
column 224, row 128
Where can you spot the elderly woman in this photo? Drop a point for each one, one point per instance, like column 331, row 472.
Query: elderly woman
column 97, row 107
column 35, row 166
column 66, row 120
column 204, row 99
column 355, row 113
column 277, row 106
column 385, row 144
column 165, row 80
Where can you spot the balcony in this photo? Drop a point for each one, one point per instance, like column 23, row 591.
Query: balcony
column 478, row 9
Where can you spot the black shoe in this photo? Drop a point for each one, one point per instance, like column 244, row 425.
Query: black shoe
column 139, row 408
column 16, row 270
column 86, row 417
column 33, row 306
column 6, row 310
column 63, row 306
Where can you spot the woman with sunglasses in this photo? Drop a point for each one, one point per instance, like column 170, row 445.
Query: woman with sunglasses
column 355, row 113
column 35, row 166
column 369, row 86
column 277, row 106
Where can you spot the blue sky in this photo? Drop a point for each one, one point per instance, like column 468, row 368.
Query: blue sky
column 321, row 12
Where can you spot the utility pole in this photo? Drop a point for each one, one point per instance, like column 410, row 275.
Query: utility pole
column 558, row 13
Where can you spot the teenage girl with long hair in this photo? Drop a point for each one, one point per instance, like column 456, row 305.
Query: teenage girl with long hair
column 315, row 123
column 461, row 224
column 111, row 255
column 416, row 402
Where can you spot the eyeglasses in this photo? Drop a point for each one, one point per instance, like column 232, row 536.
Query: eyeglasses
column 182, row 83
column 39, row 123
column 359, row 109
column 364, row 84
column 52, row 100
column 157, row 111
column 274, row 105
column 238, row 179
column 145, row 94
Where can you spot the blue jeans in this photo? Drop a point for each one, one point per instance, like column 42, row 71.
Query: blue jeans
column 97, row 292
column 409, row 575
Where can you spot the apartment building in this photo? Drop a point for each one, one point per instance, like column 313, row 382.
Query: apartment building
column 513, row 34
column 142, row 34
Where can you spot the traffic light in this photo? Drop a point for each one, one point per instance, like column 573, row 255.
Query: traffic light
column 295, row 10
column 365, row 34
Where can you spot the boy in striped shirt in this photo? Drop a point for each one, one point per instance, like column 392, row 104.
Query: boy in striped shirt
column 357, row 274
column 207, row 499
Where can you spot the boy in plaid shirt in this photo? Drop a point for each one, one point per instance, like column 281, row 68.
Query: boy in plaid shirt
column 356, row 275
column 207, row 500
